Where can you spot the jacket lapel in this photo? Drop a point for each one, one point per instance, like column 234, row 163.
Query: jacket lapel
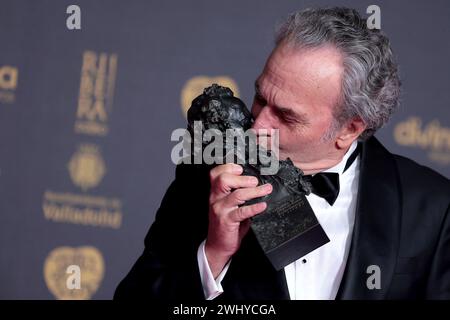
column 376, row 231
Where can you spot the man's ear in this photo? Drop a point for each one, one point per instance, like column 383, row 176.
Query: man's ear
column 350, row 132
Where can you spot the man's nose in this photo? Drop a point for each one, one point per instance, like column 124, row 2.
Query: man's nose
column 264, row 119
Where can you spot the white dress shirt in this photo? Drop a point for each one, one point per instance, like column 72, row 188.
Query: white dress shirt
column 318, row 274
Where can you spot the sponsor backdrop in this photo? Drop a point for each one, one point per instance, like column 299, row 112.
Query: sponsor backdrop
column 86, row 117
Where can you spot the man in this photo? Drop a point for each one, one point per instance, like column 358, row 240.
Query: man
column 329, row 83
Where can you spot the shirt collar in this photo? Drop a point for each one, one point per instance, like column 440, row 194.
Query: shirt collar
column 339, row 168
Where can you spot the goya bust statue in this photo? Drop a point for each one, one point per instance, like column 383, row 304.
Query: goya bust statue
column 288, row 229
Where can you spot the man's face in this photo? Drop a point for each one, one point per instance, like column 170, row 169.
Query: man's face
column 296, row 93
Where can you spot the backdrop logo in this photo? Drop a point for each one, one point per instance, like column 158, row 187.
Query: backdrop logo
column 87, row 167
column 98, row 76
column 432, row 137
column 8, row 83
column 196, row 85
column 82, row 209
column 91, row 271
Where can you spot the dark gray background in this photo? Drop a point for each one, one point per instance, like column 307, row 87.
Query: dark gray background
column 160, row 45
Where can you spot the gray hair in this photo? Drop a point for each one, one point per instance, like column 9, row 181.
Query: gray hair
column 370, row 84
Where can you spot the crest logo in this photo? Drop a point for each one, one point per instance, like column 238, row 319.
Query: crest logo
column 87, row 167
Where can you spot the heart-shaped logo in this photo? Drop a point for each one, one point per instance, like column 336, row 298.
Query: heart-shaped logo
column 65, row 265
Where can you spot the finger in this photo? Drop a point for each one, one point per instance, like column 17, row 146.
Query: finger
column 245, row 212
column 231, row 168
column 239, row 196
column 226, row 182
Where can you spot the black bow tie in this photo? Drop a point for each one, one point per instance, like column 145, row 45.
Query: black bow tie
column 326, row 184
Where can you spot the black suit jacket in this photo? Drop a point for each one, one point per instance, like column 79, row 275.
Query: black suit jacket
column 402, row 225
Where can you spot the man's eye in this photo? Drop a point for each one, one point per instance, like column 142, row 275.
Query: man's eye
column 285, row 118
column 288, row 120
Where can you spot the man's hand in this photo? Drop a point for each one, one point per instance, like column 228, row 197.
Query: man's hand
column 229, row 223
